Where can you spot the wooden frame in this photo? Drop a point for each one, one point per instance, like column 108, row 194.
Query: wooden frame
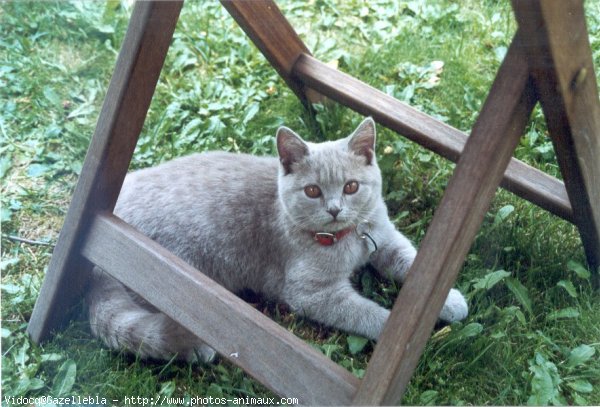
column 121, row 119
column 549, row 60
column 266, row 352
column 562, row 68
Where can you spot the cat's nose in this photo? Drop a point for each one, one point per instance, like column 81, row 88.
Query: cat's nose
column 334, row 212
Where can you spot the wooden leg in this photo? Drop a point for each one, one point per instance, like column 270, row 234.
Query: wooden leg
column 121, row 119
column 555, row 36
column 453, row 228
column 263, row 22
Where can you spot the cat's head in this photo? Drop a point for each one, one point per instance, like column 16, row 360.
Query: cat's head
column 330, row 186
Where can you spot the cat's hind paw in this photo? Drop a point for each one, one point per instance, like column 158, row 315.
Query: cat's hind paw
column 202, row 354
column 455, row 308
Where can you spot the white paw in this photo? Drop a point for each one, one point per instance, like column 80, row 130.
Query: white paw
column 201, row 353
column 455, row 308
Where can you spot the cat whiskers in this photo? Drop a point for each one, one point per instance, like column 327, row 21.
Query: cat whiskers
column 306, row 223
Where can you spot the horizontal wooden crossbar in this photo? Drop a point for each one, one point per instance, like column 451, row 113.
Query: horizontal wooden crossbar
column 519, row 178
column 240, row 333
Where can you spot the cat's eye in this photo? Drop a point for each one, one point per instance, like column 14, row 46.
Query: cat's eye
column 312, row 191
column 351, row 187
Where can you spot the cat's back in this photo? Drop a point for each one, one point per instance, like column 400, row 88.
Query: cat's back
column 210, row 167
column 210, row 209
column 214, row 176
column 188, row 198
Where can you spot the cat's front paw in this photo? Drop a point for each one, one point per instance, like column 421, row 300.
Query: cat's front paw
column 455, row 308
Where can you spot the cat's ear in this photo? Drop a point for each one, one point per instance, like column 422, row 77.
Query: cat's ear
column 291, row 148
column 362, row 141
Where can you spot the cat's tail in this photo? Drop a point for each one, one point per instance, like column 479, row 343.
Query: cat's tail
column 126, row 322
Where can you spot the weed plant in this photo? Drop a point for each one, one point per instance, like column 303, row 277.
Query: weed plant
column 533, row 333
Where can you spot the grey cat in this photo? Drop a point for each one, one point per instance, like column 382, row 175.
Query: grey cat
column 293, row 228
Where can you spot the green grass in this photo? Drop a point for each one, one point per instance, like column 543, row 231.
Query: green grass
column 533, row 335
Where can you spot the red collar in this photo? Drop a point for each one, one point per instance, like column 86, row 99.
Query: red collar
column 328, row 239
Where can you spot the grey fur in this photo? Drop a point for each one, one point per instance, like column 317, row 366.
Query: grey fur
column 246, row 222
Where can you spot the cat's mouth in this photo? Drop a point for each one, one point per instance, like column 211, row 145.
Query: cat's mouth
column 337, row 225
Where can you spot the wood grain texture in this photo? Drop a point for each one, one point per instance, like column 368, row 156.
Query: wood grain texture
column 273, row 35
column 555, row 37
column 520, row 178
column 121, row 118
column 240, row 333
column 451, row 232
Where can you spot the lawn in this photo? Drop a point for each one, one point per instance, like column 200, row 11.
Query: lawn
column 533, row 333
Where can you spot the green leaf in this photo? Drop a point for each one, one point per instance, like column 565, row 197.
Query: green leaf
column 545, row 381
column 367, row 281
column 356, row 343
column 36, row 384
column 51, row 357
column 215, row 125
column 469, row 330
column 428, row 398
column 503, row 214
column 581, row 271
column 37, row 170
column 110, row 10
column 81, row 111
column 569, row 312
column 579, row 400
column 330, row 348
column 498, row 335
column 251, row 112
column 5, row 332
column 490, row 280
column 65, row 378
column 500, row 52
column 192, row 125
column 521, row 317
column 521, row 293
column 360, row 373
column 104, row 28
column 11, row 288
column 532, row 137
column 407, row 93
column 23, row 384
column 569, row 287
column 5, row 214
column 6, row 263
column 22, row 356
column 76, row 167
column 580, row 355
column 580, row 385
column 51, row 95
column 5, row 164
column 425, row 157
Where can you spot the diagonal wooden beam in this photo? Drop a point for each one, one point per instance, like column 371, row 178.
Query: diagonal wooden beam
column 121, row 119
column 274, row 36
column 555, row 37
column 272, row 355
column 456, row 221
